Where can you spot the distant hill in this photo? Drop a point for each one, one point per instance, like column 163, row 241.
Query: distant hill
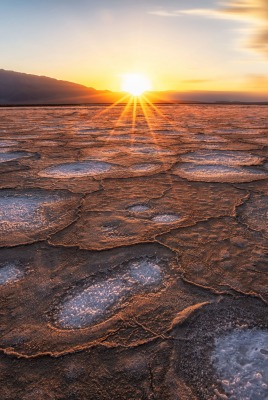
column 196, row 96
column 17, row 88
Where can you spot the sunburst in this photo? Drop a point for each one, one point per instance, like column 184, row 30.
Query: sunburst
column 136, row 84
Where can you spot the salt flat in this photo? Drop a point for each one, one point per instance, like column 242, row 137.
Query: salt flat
column 133, row 253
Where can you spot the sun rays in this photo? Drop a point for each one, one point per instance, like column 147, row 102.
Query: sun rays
column 134, row 112
column 129, row 114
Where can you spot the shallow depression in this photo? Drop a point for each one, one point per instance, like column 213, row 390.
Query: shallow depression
column 17, row 155
column 229, row 158
column 28, row 215
column 241, row 361
column 10, row 272
column 8, row 143
column 24, row 207
column 104, row 297
column 218, row 173
column 144, row 167
column 165, row 218
column 77, row 169
column 138, row 208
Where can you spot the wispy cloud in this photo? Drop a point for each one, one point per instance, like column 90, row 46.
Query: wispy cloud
column 253, row 12
column 207, row 12
column 256, row 11
column 164, row 13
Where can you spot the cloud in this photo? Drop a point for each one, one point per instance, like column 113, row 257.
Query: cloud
column 253, row 12
column 164, row 13
column 259, row 41
column 255, row 9
column 180, row 13
column 205, row 12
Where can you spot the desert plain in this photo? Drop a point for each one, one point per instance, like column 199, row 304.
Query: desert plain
column 133, row 259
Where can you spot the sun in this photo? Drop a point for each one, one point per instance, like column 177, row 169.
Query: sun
column 135, row 84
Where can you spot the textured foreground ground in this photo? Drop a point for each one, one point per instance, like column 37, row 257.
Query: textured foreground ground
column 133, row 258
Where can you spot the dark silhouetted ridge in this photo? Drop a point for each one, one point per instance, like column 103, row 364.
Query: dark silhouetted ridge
column 18, row 88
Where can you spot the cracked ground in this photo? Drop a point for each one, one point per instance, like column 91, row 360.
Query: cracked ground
column 132, row 250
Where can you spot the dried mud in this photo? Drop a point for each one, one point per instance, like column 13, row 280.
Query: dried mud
column 133, row 254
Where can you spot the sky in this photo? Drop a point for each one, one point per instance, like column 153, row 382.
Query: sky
column 179, row 44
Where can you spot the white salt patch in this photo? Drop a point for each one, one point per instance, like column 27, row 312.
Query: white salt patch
column 234, row 130
column 230, row 158
column 18, row 209
column 111, row 151
column 145, row 272
column 30, row 212
column 48, row 143
column 162, row 131
column 26, row 137
column 22, row 208
column 89, row 130
column 144, row 167
column 207, row 138
column 165, row 218
column 9, row 272
column 218, row 173
column 4, row 157
column 121, row 137
column 138, row 208
column 144, row 150
column 147, row 150
column 77, row 169
column 197, row 138
column 8, row 143
column 241, row 361
column 96, row 302
column 86, row 307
